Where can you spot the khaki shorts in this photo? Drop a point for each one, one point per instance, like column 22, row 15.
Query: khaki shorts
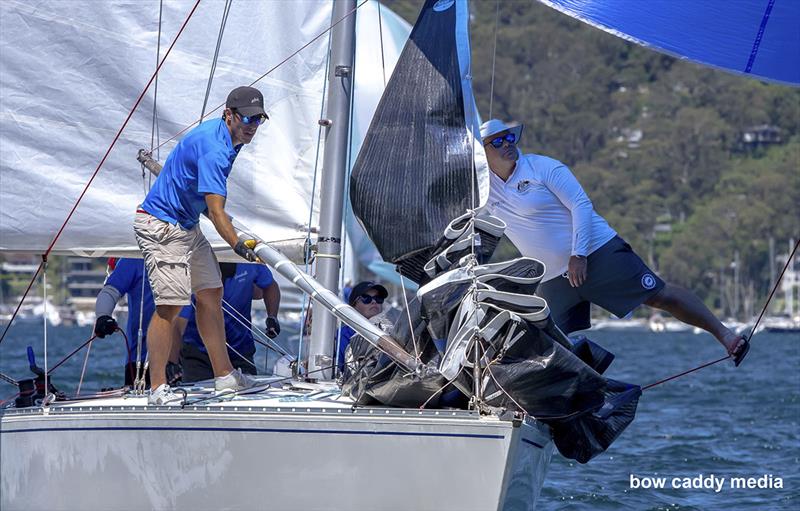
column 178, row 262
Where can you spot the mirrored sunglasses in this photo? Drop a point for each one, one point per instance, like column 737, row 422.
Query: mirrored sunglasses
column 368, row 299
column 249, row 119
column 497, row 142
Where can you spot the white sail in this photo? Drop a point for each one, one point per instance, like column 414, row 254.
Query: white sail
column 71, row 72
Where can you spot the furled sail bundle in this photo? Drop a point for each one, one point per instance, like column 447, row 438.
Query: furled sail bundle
column 414, row 172
column 494, row 343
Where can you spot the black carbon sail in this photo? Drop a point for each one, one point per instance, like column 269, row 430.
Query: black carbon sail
column 414, row 172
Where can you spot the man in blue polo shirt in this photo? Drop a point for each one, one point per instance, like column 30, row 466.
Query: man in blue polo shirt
column 128, row 278
column 242, row 283
column 178, row 258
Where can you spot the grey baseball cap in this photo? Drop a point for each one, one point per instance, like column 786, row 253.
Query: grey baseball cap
column 247, row 101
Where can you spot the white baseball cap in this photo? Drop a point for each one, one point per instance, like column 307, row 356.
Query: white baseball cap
column 495, row 126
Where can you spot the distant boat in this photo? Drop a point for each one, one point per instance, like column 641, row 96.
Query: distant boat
column 781, row 324
column 620, row 324
column 659, row 324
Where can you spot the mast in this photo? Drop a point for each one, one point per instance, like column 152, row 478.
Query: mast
column 329, row 242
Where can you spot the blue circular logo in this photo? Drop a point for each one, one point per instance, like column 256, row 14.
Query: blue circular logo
column 443, row 5
column 648, row 281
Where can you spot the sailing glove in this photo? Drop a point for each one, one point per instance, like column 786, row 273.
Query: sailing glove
column 244, row 248
column 105, row 325
column 273, row 327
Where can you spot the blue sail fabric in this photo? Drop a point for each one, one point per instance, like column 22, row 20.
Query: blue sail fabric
column 759, row 38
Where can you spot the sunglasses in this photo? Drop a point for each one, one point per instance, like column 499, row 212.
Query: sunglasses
column 250, row 119
column 368, row 299
column 497, row 142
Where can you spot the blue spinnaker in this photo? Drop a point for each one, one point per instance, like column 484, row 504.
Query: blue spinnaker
column 759, row 38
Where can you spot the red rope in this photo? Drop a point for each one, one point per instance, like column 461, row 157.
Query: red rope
column 685, row 372
column 88, row 184
column 747, row 338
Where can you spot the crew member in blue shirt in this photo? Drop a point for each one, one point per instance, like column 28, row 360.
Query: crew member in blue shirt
column 178, row 258
column 242, row 283
column 128, row 277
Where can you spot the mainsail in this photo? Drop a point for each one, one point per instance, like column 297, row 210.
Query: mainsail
column 71, row 71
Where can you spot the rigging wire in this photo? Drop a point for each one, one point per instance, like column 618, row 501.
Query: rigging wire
column 752, row 331
column 380, row 35
column 494, row 55
column 44, row 319
column 99, row 166
column 242, row 320
column 154, row 131
column 181, row 132
column 226, row 10
column 139, row 376
column 8, row 379
column 83, row 370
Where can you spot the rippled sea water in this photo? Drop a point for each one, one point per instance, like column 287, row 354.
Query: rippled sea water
column 722, row 421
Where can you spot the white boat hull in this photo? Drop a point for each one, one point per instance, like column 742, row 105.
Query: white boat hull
column 267, row 453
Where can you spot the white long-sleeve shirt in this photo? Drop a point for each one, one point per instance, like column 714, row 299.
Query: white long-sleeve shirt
column 549, row 216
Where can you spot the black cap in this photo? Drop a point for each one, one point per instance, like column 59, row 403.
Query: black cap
column 247, row 101
column 362, row 288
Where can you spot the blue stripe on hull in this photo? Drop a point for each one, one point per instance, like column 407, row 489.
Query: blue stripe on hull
column 263, row 430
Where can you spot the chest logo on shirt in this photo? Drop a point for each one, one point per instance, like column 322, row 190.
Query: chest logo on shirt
column 523, row 186
column 648, row 281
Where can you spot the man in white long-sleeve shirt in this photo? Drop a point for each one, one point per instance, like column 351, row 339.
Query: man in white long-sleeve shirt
column 551, row 218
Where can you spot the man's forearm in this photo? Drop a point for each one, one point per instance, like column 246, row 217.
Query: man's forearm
column 224, row 227
column 272, row 299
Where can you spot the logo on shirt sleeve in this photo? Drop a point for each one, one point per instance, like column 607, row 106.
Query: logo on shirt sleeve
column 648, row 281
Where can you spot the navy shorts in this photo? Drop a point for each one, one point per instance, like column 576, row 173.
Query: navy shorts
column 617, row 280
column 197, row 365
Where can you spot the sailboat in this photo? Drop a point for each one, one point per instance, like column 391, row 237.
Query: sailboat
column 298, row 445
column 305, row 445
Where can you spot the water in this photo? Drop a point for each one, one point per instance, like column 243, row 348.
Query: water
column 726, row 421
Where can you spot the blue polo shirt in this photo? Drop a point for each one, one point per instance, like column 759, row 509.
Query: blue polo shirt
column 199, row 165
column 127, row 278
column 238, row 295
column 345, row 334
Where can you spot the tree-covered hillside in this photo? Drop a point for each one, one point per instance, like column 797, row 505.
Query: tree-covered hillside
column 695, row 167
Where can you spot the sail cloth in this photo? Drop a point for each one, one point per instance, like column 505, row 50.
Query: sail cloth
column 71, row 71
column 523, row 367
column 759, row 38
column 414, row 172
